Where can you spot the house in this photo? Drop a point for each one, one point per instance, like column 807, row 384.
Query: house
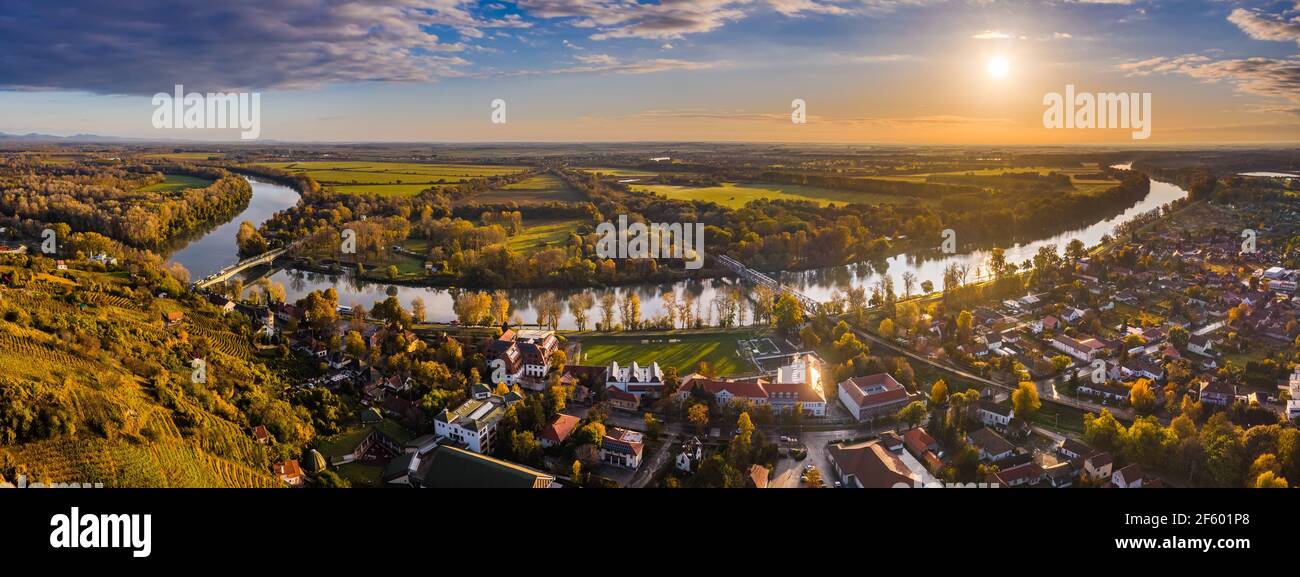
column 261, row 435
column 526, row 354
column 1072, row 449
column 757, row 477
column 1084, row 350
column 692, row 453
column 450, row 467
column 873, row 396
column 289, row 472
column 1201, row 345
column 1129, row 477
column 993, row 414
column 919, row 443
column 558, row 430
column 991, row 446
column 1072, row 315
column 1098, row 465
column 1047, row 323
column 636, row 379
column 1060, row 475
column 891, row 441
column 224, row 304
column 798, row 385
column 473, row 424
column 869, row 465
column 173, row 318
column 622, row 401
column 622, row 448
column 1026, row 474
column 1105, row 390
column 1218, row 392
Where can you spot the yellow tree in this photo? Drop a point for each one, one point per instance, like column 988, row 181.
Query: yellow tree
column 1024, row 400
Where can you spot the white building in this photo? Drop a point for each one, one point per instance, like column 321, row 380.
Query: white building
column 636, row 379
column 474, row 423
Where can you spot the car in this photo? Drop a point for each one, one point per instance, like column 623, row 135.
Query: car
column 807, row 468
column 837, row 484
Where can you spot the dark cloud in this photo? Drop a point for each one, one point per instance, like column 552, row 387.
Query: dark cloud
column 147, row 46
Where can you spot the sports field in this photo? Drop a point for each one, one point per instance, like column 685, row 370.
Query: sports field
column 681, row 350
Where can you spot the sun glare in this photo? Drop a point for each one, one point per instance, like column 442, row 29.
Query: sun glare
column 998, row 67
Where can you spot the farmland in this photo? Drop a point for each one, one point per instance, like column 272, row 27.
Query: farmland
column 1079, row 176
column 534, row 190
column 736, row 195
column 177, row 182
column 389, row 178
column 542, row 234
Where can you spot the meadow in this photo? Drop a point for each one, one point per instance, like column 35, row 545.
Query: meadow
column 389, row 178
column 736, row 195
column 177, row 182
column 539, row 234
column 1083, row 185
column 533, row 190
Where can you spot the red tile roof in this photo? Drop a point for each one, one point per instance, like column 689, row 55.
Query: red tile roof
column 560, row 428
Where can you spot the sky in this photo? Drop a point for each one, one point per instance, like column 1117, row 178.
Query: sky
column 869, row 71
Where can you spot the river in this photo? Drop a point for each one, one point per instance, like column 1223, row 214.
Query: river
column 217, row 249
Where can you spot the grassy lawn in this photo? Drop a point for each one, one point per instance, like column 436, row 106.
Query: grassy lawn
column 1061, row 417
column 177, row 182
column 543, row 234
column 187, row 155
column 360, row 475
column 1085, row 186
column 718, row 349
column 735, row 195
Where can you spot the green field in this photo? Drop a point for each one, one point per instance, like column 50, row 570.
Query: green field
column 177, row 182
column 717, row 349
column 534, row 190
column 187, row 155
column 734, row 195
column 389, row 178
column 1086, row 186
column 619, row 171
column 543, row 234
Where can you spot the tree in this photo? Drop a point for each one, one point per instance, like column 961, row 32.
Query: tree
column 964, row 323
column 788, row 313
column 576, row 472
column 579, row 304
column 417, row 310
column 1024, row 400
column 354, row 344
column 1142, row 397
column 698, row 415
column 938, row 393
column 809, row 337
column 1103, row 431
column 887, row 328
column 814, row 477
column 913, row 413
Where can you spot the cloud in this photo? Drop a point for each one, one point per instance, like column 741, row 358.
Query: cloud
column 1261, row 26
column 991, row 35
column 606, row 64
column 631, row 19
column 1275, row 78
column 798, row 7
column 146, row 46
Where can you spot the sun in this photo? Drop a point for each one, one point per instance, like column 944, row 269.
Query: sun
column 998, row 67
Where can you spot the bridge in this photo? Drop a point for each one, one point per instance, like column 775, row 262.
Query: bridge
column 810, row 305
column 225, row 274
